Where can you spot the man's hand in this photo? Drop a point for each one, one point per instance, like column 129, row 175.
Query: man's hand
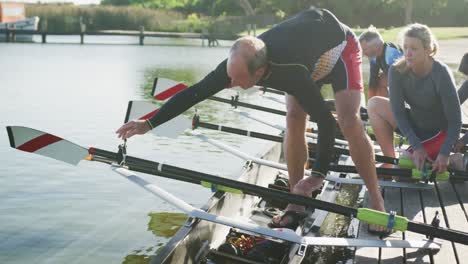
column 135, row 127
column 419, row 158
column 440, row 164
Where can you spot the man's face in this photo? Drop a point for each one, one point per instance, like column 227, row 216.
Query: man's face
column 370, row 49
column 238, row 71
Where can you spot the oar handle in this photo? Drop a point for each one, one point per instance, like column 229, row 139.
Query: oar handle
column 408, row 163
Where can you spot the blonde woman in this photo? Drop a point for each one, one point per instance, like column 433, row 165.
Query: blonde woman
column 423, row 103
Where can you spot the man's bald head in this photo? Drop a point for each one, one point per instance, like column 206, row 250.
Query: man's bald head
column 247, row 61
column 252, row 50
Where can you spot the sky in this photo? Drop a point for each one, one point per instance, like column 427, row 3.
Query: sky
column 76, row 2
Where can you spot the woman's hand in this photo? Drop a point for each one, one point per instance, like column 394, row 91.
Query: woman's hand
column 135, row 127
column 419, row 157
column 440, row 164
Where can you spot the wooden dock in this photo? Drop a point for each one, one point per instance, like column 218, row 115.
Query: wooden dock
column 212, row 39
column 446, row 198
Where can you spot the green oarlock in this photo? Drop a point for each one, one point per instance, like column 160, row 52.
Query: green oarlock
column 221, row 187
column 380, row 218
column 417, row 174
column 406, row 163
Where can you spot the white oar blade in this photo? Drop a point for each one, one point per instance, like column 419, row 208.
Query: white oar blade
column 163, row 88
column 45, row 144
column 173, row 128
column 141, row 110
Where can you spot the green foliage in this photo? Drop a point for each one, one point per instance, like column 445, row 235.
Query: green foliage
column 65, row 18
column 226, row 17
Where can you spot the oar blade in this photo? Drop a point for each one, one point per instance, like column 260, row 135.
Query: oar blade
column 141, row 110
column 45, row 144
column 163, row 88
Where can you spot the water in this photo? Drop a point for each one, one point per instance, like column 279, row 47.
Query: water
column 51, row 212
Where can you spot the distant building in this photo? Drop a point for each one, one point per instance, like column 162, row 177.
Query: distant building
column 13, row 16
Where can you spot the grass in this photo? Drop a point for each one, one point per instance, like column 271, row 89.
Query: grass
column 442, row 33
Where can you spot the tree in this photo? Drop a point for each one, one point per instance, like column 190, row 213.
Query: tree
column 409, row 12
column 247, row 7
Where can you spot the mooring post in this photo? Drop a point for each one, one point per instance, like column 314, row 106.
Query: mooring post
column 204, row 36
column 249, row 27
column 44, row 31
column 13, row 33
column 254, row 30
column 142, row 34
column 82, row 30
column 7, row 33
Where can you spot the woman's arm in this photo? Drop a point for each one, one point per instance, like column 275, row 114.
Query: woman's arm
column 451, row 108
column 397, row 103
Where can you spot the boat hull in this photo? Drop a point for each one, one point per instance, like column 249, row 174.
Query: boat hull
column 194, row 239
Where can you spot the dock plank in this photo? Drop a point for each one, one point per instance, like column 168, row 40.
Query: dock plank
column 455, row 215
column 393, row 203
column 413, row 210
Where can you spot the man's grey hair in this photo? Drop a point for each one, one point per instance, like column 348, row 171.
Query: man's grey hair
column 253, row 50
column 371, row 35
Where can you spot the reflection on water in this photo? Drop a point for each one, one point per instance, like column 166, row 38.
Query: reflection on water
column 166, row 224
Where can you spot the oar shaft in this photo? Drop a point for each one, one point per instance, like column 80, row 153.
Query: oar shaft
column 236, row 103
column 380, row 171
column 440, row 232
column 168, row 171
column 271, row 90
column 242, row 132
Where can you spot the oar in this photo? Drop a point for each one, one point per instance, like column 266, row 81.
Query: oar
column 283, row 129
column 135, row 110
column 405, row 163
column 280, row 166
column 138, row 110
column 283, row 234
column 164, row 89
column 141, row 110
column 35, row 141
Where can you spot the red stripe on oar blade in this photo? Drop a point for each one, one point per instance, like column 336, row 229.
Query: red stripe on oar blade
column 170, row 92
column 150, row 114
column 39, row 142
